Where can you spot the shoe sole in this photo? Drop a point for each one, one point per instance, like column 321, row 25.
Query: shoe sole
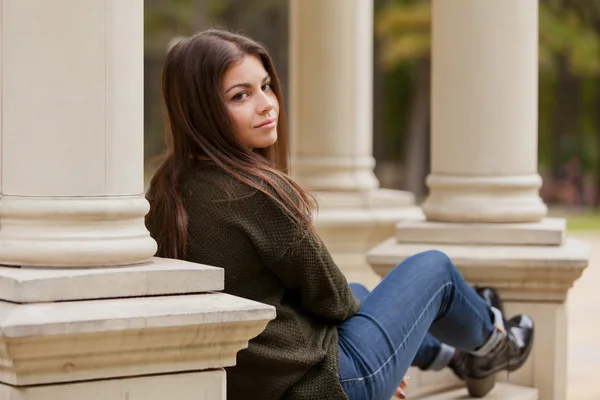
column 481, row 387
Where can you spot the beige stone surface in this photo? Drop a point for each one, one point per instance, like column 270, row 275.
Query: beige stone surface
column 583, row 327
column 74, row 231
column 549, row 231
column 500, row 392
column 424, row 383
column 523, row 273
column 96, row 339
column 161, row 276
column 86, row 138
column 206, row 385
column 102, row 316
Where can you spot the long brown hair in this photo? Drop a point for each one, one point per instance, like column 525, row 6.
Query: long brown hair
column 198, row 123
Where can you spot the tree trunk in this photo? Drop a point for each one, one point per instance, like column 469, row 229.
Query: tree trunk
column 566, row 114
column 417, row 138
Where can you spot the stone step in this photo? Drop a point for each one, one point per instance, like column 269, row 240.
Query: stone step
column 502, row 391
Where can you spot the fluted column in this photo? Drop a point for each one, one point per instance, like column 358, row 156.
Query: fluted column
column 72, row 134
column 484, row 113
column 331, row 55
column 72, row 196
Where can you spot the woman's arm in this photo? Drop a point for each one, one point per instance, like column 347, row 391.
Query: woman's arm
column 300, row 260
column 308, row 270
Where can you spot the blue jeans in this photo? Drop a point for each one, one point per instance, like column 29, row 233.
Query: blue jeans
column 430, row 347
column 425, row 293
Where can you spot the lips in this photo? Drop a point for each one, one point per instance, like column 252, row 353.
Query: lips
column 267, row 123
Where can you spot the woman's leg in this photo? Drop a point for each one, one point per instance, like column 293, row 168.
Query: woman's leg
column 431, row 355
column 424, row 293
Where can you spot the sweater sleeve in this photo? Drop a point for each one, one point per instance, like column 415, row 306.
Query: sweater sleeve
column 307, row 269
column 302, row 262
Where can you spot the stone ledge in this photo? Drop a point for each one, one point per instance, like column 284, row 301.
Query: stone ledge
column 161, row 276
column 502, row 391
column 521, row 273
column 205, row 385
column 94, row 316
column 74, row 341
column 549, row 231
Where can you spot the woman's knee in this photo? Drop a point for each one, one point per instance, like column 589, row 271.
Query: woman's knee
column 436, row 263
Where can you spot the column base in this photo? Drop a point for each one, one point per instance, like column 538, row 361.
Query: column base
column 335, row 172
column 484, row 199
column 74, row 231
column 351, row 223
column 205, row 385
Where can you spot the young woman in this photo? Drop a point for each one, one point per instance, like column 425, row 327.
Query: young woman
column 222, row 197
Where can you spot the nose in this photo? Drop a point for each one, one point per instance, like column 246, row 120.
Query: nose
column 266, row 103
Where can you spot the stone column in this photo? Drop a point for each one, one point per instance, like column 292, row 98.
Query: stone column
column 72, row 198
column 72, row 136
column 331, row 123
column 484, row 114
column 484, row 210
column 332, row 94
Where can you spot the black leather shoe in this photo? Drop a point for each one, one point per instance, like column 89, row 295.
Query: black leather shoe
column 508, row 355
column 459, row 364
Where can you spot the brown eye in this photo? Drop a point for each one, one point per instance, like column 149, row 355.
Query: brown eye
column 240, row 96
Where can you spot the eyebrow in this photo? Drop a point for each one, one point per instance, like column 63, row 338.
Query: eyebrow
column 246, row 85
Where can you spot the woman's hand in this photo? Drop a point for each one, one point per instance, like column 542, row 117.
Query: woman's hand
column 400, row 391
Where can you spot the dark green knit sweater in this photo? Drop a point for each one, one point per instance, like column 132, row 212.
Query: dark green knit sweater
column 267, row 259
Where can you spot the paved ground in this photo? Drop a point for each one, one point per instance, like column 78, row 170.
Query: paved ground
column 584, row 328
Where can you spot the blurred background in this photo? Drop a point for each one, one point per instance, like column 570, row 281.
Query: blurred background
column 569, row 87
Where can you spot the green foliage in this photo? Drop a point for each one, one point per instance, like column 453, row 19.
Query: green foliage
column 565, row 32
column 164, row 20
column 404, row 31
column 584, row 222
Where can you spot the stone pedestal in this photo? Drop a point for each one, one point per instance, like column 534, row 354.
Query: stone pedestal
column 532, row 279
column 484, row 210
column 86, row 312
column 331, row 53
column 206, row 385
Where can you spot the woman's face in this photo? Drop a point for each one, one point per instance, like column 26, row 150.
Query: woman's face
column 251, row 102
